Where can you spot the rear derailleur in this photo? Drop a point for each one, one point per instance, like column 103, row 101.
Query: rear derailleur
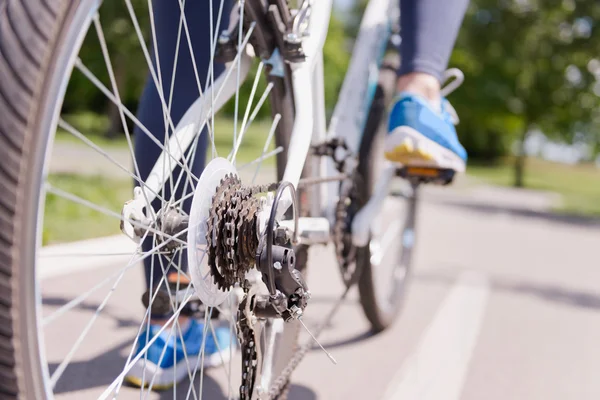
column 276, row 261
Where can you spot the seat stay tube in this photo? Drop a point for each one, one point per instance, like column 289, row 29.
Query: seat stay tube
column 307, row 82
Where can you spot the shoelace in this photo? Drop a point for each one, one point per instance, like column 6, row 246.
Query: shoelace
column 456, row 78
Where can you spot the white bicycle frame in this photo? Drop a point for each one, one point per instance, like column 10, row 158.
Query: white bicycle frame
column 348, row 120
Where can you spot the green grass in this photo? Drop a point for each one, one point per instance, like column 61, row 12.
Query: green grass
column 93, row 126
column 579, row 185
column 252, row 144
column 66, row 221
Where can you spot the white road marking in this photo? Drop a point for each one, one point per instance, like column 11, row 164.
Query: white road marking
column 437, row 369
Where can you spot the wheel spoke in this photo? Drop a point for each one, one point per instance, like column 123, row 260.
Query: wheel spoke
column 81, row 67
column 220, row 351
column 78, row 300
column 232, row 331
column 155, row 77
column 210, row 113
column 150, row 295
column 172, row 86
column 70, row 129
column 115, row 91
column 266, row 147
column 176, row 155
column 82, row 297
column 214, row 34
column 129, row 365
column 259, row 161
column 202, row 352
column 389, row 237
column 162, row 355
column 147, row 316
column 173, row 302
column 241, row 5
column 252, row 93
column 85, row 71
column 158, row 80
column 195, row 144
column 76, row 199
column 63, row 365
column 254, row 113
column 61, row 255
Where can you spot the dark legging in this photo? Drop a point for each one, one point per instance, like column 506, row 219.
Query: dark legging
column 185, row 91
column 429, row 29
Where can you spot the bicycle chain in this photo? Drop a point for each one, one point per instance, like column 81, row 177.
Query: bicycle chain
column 248, row 346
column 342, row 230
column 232, row 241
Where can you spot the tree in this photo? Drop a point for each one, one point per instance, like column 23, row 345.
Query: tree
column 529, row 64
column 125, row 51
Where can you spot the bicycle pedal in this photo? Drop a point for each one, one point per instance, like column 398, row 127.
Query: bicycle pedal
column 440, row 176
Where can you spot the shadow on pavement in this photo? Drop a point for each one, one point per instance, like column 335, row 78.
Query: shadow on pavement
column 97, row 371
column 100, row 371
column 548, row 292
column 345, row 342
column 298, row 392
column 49, row 301
column 557, row 217
column 210, row 390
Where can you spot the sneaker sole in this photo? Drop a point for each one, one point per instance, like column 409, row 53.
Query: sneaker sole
column 406, row 146
column 165, row 378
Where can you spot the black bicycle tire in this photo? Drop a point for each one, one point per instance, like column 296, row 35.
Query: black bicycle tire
column 379, row 317
column 31, row 33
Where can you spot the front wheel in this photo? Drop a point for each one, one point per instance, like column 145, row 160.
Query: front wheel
column 385, row 262
column 71, row 322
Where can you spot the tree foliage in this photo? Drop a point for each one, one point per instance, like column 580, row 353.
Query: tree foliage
column 126, row 58
column 528, row 64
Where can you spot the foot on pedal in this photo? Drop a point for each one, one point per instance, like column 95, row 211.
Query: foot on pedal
column 422, row 137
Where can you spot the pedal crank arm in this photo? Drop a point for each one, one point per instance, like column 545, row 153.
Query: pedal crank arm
column 361, row 225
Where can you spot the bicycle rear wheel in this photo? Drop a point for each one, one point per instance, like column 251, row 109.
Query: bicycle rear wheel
column 40, row 43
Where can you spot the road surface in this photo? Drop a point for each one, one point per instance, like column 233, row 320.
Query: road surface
column 504, row 303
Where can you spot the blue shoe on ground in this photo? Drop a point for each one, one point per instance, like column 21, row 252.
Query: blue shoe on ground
column 173, row 367
column 420, row 136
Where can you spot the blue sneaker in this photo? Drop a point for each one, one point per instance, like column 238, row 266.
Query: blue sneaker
column 420, row 136
column 173, row 366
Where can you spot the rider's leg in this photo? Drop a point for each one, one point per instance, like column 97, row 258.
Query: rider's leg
column 185, row 92
column 167, row 19
column 421, row 131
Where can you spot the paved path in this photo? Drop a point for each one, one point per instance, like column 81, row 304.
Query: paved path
column 75, row 157
column 504, row 304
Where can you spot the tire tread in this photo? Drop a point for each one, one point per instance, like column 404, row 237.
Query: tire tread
column 26, row 31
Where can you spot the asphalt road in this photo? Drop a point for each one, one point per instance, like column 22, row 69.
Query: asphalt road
column 504, row 303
